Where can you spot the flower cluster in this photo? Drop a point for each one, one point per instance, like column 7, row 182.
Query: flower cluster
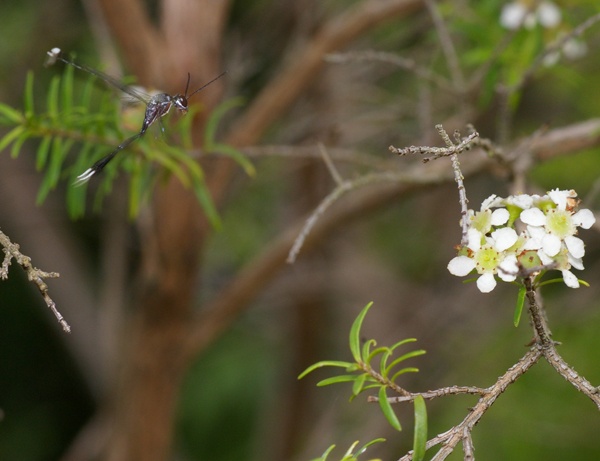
column 518, row 14
column 548, row 225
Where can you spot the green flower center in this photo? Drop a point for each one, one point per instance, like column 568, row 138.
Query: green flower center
column 559, row 223
column 482, row 221
column 486, row 260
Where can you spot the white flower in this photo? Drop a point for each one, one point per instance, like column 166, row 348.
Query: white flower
column 574, row 49
column 513, row 15
column 548, row 15
column 487, row 256
column 516, row 14
column 495, row 251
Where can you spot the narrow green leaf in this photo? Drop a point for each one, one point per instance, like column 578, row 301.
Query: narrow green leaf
column 212, row 124
column 402, row 343
column 16, row 147
column 402, row 358
column 76, row 201
column 11, row 136
column 519, row 306
column 375, row 352
column 324, row 363
column 362, row 449
column 11, row 115
column 42, row 152
column 52, row 98
column 235, row 154
column 325, row 454
column 388, row 412
column 172, row 167
column 366, row 349
column 76, row 195
column 193, row 166
column 28, row 98
column 67, row 89
column 336, row 380
column 420, row 436
column 350, row 450
column 359, row 382
column 376, row 385
column 206, row 201
column 384, row 358
column 135, row 190
column 404, row 370
column 58, row 153
column 355, row 333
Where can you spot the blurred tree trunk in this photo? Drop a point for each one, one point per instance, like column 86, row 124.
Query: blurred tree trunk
column 187, row 39
column 162, row 337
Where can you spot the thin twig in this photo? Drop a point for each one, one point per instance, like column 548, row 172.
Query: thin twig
column 342, row 188
column 391, row 58
column 447, row 46
column 468, row 448
column 436, row 152
column 335, row 174
column 452, row 150
column 35, row 275
column 451, row 438
column 430, row 395
column 548, row 347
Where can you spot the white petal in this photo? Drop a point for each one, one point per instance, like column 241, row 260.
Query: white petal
column 486, row 282
column 575, row 246
column 533, row 217
column 544, row 258
column 512, row 15
column 500, row 216
column 570, row 279
column 584, row 218
column 523, row 201
column 560, row 197
column 505, row 237
column 490, row 202
column 461, row 266
column 548, row 14
column 474, row 239
column 508, row 269
column 536, row 234
column 577, row 263
column 551, row 244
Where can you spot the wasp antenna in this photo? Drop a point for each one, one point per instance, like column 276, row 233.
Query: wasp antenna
column 187, row 85
column 206, row 84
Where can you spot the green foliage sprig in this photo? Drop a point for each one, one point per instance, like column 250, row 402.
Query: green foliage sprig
column 363, row 375
column 349, row 455
column 79, row 120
